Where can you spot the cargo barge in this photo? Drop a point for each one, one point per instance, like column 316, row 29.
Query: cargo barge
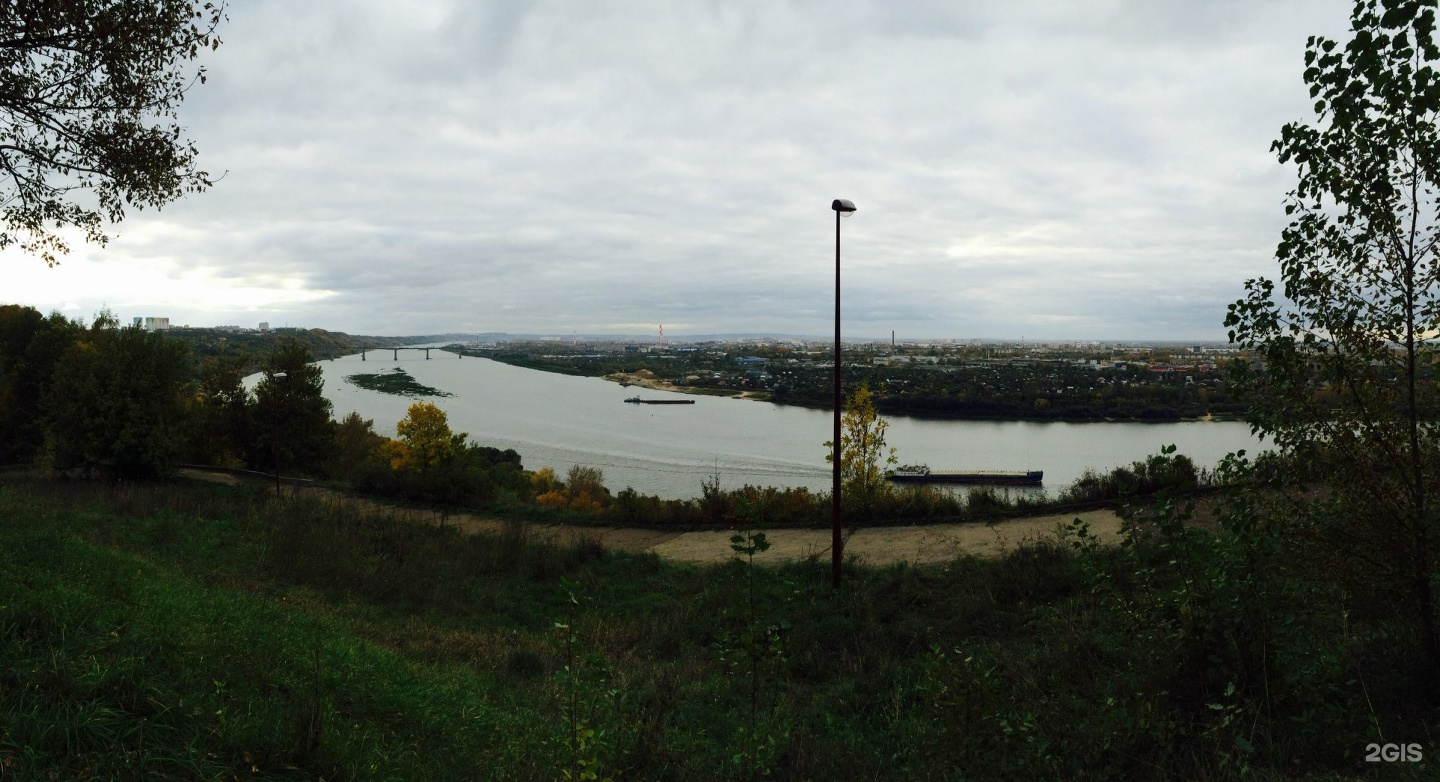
column 919, row 473
column 635, row 400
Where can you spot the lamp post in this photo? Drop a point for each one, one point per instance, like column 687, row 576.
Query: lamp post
column 275, row 430
column 842, row 208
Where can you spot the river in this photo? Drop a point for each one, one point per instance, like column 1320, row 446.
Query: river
column 669, row 450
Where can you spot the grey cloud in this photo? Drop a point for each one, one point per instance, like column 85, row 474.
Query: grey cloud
column 1056, row 168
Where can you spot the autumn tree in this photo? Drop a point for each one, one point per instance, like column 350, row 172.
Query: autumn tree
column 88, row 96
column 584, row 490
column 543, row 481
column 426, row 441
column 864, row 456
column 1344, row 382
column 429, row 462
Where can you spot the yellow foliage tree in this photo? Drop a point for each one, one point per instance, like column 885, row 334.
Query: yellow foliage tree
column 584, row 489
column 864, row 456
column 397, row 455
column 425, row 439
column 543, row 481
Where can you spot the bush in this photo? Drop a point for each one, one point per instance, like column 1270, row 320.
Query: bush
column 1164, row 471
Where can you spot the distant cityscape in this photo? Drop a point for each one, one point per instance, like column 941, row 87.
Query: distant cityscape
column 661, row 342
column 162, row 324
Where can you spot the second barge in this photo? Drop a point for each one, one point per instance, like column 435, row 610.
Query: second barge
column 635, row 400
column 919, row 473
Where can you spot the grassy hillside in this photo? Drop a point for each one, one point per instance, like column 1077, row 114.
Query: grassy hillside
column 196, row 632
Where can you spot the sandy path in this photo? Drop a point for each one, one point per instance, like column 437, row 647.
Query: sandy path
column 920, row 544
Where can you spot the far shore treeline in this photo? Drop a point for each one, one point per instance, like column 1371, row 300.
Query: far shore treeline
column 982, row 382
column 125, row 403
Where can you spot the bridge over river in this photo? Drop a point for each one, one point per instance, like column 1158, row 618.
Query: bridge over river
column 395, row 352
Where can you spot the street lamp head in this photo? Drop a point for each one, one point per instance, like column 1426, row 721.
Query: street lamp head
column 843, row 205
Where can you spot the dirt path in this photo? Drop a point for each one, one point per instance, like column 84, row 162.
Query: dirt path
column 916, row 544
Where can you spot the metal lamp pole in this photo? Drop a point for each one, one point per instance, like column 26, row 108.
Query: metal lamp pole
column 842, row 207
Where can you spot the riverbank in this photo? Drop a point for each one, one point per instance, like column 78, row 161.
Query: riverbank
column 647, row 379
column 961, row 386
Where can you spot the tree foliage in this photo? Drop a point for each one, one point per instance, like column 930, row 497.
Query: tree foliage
column 584, row 490
column 1346, row 355
column 88, row 97
column 291, row 410
column 426, row 441
column 222, row 408
column 114, row 404
column 355, row 441
column 431, row 463
column 864, row 456
column 30, row 347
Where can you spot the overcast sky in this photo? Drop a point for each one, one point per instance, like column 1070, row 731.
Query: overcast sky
column 1088, row 169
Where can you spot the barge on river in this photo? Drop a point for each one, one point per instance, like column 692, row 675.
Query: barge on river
column 919, row 473
column 635, row 400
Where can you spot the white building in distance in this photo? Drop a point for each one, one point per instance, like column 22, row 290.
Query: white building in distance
column 152, row 324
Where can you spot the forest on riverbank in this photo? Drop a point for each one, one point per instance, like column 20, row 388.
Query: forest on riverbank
column 989, row 382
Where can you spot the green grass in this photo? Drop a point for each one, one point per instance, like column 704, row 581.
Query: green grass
column 118, row 666
column 198, row 632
